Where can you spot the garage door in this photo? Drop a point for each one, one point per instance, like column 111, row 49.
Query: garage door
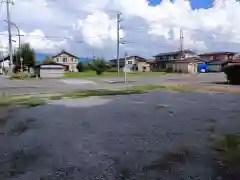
column 51, row 73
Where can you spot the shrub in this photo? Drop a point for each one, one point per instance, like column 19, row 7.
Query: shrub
column 113, row 70
column 169, row 69
column 81, row 67
column 99, row 65
column 233, row 73
column 22, row 75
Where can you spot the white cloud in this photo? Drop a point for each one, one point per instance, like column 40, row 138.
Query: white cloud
column 155, row 28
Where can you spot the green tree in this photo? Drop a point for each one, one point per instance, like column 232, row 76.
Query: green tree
column 27, row 54
column 81, row 67
column 99, row 65
column 48, row 60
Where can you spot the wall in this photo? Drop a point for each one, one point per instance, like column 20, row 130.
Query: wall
column 185, row 67
column 67, row 60
column 141, row 66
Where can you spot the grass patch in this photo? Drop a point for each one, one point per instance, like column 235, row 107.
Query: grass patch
column 229, row 148
column 54, row 98
column 100, row 92
column 33, row 102
column 108, row 74
column 39, row 99
column 180, row 88
column 170, row 160
column 228, row 156
column 22, row 100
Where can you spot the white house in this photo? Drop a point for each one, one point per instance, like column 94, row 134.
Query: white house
column 4, row 64
column 133, row 63
column 67, row 59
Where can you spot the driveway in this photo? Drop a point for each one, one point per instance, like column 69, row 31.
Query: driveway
column 122, row 137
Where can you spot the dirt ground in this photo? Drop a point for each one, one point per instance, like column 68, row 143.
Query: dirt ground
column 157, row 135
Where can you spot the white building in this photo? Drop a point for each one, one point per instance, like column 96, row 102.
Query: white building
column 4, row 64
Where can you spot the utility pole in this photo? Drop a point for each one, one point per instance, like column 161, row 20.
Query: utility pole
column 181, row 43
column 118, row 41
column 9, row 32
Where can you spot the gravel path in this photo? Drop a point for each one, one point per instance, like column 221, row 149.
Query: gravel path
column 121, row 137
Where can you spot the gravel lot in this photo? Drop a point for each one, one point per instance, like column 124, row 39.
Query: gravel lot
column 121, row 137
column 63, row 85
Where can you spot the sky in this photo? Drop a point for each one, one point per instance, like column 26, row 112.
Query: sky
column 88, row 28
column 195, row 4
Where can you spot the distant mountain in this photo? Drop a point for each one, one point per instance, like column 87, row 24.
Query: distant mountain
column 41, row 56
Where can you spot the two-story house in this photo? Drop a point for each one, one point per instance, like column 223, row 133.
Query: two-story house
column 216, row 60
column 67, row 59
column 133, row 63
column 163, row 60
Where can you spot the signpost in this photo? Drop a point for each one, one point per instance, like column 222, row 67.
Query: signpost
column 21, row 61
column 125, row 72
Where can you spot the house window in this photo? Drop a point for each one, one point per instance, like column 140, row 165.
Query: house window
column 64, row 59
column 129, row 62
column 57, row 60
column 230, row 57
column 72, row 60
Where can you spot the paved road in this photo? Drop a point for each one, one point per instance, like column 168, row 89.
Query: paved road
column 153, row 136
column 62, row 85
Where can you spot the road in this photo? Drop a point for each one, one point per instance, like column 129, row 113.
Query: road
column 63, row 85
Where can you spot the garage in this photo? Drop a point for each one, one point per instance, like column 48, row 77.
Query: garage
column 50, row 70
column 215, row 66
column 187, row 65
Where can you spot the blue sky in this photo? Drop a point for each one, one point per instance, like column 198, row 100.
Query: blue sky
column 196, row 4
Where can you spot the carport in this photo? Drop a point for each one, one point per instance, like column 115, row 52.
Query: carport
column 50, row 70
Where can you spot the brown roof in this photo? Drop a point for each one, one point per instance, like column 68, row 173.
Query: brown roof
column 187, row 60
column 217, row 53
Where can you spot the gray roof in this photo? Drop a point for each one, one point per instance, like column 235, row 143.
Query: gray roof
column 174, row 53
column 4, row 58
column 128, row 57
column 49, row 63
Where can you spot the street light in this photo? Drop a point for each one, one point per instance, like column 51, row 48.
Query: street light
column 19, row 39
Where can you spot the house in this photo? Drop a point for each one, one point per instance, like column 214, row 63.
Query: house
column 162, row 59
column 186, row 65
column 67, row 59
column 50, row 70
column 235, row 61
column 216, row 60
column 4, row 64
column 133, row 63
